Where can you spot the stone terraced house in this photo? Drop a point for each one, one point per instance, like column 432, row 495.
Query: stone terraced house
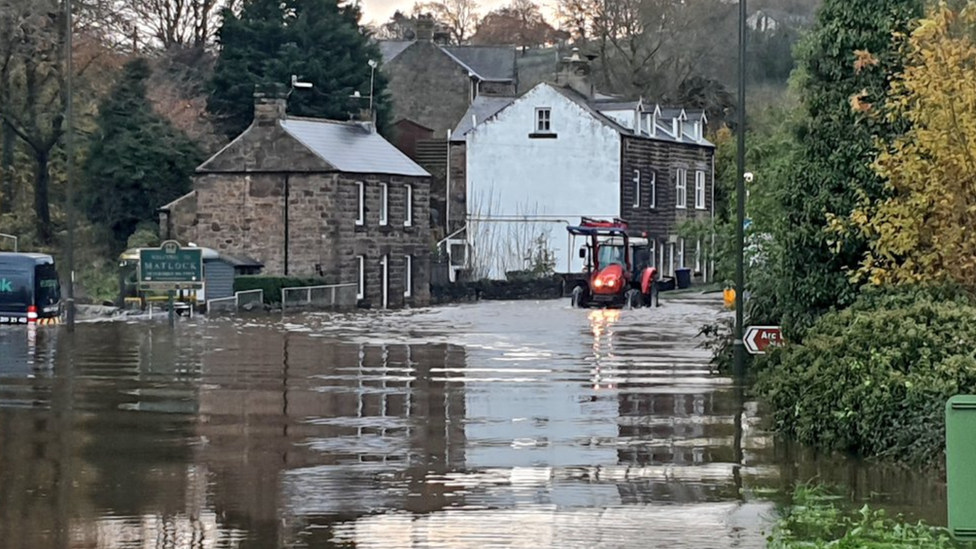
column 315, row 198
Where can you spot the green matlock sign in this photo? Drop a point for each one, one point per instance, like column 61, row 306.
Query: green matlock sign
column 960, row 469
column 171, row 266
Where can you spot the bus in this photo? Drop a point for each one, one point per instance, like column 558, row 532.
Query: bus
column 29, row 288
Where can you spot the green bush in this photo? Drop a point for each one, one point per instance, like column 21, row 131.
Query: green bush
column 873, row 379
column 272, row 285
column 813, row 521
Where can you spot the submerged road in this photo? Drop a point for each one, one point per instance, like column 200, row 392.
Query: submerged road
column 496, row 424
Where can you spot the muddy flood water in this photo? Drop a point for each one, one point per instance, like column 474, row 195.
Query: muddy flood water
column 496, row 424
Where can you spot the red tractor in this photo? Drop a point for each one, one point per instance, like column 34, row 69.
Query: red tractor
column 618, row 272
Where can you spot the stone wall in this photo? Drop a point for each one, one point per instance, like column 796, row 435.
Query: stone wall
column 181, row 221
column 245, row 214
column 428, row 87
column 459, row 186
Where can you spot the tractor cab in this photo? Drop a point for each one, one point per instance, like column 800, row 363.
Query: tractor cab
column 617, row 265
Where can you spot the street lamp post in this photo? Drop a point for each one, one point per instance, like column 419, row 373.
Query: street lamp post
column 372, row 72
column 740, row 192
column 70, row 161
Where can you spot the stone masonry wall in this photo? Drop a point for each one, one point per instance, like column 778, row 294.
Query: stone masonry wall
column 244, row 214
column 428, row 87
column 459, row 186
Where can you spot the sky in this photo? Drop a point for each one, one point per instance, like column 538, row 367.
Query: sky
column 379, row 11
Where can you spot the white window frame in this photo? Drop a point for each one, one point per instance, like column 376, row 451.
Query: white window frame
column 408, row 216
column 361, row 267
column 637, row 188
column 385, row 280
column 653, row 203
column 361, row 197
column 384, row 204
column 681, row 189
column 407, row 275
column 671, row 259
column 681, row 253
column 700, row 190
column 698, row 256
column 543, row 115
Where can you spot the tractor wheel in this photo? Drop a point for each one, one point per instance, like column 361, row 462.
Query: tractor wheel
column 579, row 298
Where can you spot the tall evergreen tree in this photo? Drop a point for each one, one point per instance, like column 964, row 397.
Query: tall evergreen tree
column 138, row 161
column 846, row 60
column 319, row 41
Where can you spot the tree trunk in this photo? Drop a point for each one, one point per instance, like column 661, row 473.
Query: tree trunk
column 8, row 140
column 42, row 209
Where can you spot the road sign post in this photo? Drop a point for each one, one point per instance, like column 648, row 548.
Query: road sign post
column 170, row 268
column 960, row 475
column 759, row 338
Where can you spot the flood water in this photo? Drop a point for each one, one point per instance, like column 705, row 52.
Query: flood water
column 497, row 424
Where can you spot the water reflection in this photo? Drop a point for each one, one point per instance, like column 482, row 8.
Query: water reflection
column 450, row 427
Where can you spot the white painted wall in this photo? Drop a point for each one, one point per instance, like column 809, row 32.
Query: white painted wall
column 552, row 181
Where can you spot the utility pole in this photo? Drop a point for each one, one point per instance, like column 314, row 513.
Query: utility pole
column 740, row 192
column 70, row 154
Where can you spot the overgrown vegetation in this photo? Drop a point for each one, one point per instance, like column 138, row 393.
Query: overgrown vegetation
column 814, row 520
column 873, row 379
column 272, row 285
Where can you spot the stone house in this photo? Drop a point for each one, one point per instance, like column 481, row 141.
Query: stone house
column 522, row 168
column 315, row 198
column 432, row 85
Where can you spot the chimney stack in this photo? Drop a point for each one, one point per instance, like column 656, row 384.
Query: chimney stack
column 270, row 104
column 574, row 72
column 425, row 28
column 367, row 120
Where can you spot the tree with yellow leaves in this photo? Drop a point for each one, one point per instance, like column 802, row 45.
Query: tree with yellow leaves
column 925, row 230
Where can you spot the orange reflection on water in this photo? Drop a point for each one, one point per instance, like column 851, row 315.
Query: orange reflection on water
column 601, row 324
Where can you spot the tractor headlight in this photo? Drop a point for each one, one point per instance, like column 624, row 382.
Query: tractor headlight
column 611, row 282
column 598, row 283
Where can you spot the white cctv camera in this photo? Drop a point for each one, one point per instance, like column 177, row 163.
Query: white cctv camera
column 301, row 85
column 748, row 177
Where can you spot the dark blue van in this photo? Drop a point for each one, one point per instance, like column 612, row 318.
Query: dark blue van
column 29, row 288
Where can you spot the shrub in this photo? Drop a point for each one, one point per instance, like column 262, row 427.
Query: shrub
column 272, row 285
column 873, row 379
column 813, row 521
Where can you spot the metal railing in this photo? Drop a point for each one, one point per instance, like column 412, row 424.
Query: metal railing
column 249, row 296
column 314, row 296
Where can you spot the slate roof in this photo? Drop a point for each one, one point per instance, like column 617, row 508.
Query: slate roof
column 392, row 48
column 488, row 63
column 493, row 63
column 482, row 108
column 351, row 148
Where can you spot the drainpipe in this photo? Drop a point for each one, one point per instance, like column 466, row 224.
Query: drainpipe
column 287, row 199
column 447, row 187
column 711, row 255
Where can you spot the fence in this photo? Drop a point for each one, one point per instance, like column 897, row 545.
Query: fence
column 331, row 296
column 236, row 301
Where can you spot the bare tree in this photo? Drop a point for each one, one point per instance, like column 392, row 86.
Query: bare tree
column 460, row 17
column 171, row 23
column 520, row 23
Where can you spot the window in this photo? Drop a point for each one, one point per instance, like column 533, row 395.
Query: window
column 361, row 267
column 637, row 189
column 408, row 216
column 700, row 190
column 681, row 254
column 361, row 197
column 681, row 200
column 698, row 256
column 653, row 203
column 407, row 275
column 384, row 204
column 543, row 117
column 671, row 259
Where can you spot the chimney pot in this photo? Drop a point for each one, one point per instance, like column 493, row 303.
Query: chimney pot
column 425, row 28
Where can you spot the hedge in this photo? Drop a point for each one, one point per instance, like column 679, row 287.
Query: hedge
column 272, row 285
column 874, row 379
